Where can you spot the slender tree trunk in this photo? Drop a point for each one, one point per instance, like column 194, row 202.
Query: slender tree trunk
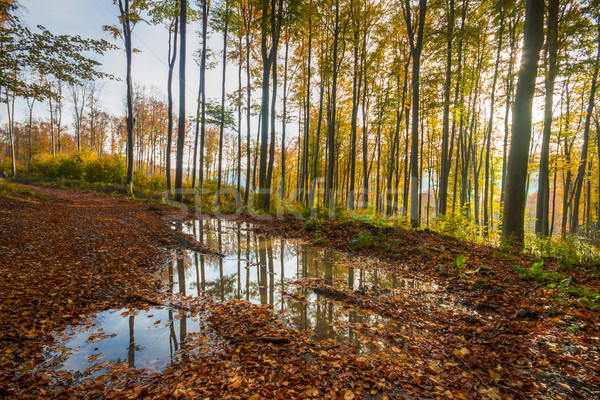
column 445, row 156
column 486, row 189
column 172, row 56
column 543, row 196
column 272, row 144
column 10, row 108
column 584, row 150
column 247, row 26
column 222, row 122
column 284, row 121
column 414, row 153
column 182, row 117
column 315, row 175
column 509, row 93
column 128, row 52
column 239, row 126
column 356, row 88
column 52, row 146
column 329, row 194
column 365, row 106
column 202, row 90
column 597, row 228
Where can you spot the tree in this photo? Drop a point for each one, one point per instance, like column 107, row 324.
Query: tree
column 586, row 132
column 202, row 90
column 79, row 96
column 513, row 221
column 222, row 122
column 181, row 125
column 543, row 196
column 416, row 48
column 161, row 11
column 23, row 52
column 129, row 16
column 270, row 25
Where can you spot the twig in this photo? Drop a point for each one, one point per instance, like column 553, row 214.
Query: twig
column 267, row 339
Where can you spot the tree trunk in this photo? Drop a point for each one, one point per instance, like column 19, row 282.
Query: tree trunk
column 356, row 87
column 247, row 26
column 272, row 144
column 513, row 229
column 329, row 195
column 182, row 117
column 414, row 153
column 171, row 61
column 543, row 196
column 284, row 120
column 222, row 122
column 584, row 149
column 128, row 52
column 445, row 156
column 486, row 189
column 202, row 89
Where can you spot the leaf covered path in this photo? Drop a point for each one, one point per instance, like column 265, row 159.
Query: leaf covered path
column 65, row 256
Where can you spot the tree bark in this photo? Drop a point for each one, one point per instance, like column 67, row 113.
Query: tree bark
column 445, row 156
column 171, row 61
column 124, row 9
column 222, row 122
column 513, row 229
column 543, row 196
column 416, row 48
column 584, row 150
column 182, row 117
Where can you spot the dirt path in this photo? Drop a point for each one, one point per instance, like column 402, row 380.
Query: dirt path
column 66, row 255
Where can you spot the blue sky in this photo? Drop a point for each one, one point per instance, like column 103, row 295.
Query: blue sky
column 86, row 18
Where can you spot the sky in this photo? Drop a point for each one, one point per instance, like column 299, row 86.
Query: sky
column 149, row 67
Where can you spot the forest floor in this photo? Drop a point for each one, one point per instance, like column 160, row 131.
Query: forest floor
column 65, row 256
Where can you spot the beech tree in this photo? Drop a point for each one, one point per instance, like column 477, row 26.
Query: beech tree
column 513, row 221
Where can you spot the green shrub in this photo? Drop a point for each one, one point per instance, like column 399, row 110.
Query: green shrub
column 568, row 251
column 106, row 169
column 312, row 224
column 148, row 184
column 82, row 165
column 535, row 272
column 363, row 241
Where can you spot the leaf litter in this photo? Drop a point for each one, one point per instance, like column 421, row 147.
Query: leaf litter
column 66, row 261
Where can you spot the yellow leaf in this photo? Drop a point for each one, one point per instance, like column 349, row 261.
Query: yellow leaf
column 494, row 375
column 255, row 396
column 349, row 395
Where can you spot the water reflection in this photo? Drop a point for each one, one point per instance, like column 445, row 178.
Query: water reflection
column 148, row 339
column 254, row 268
column 261, row 270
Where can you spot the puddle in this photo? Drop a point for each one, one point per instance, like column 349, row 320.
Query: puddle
column 263, row 270
column 141, row 339
column 254, row 268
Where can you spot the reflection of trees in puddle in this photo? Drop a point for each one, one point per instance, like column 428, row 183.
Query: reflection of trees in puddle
column 147, row 339
column 259, row 269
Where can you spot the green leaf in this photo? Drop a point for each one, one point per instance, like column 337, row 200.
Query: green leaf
column 564, row 283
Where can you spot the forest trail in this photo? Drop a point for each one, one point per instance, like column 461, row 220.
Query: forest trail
column 483, row 333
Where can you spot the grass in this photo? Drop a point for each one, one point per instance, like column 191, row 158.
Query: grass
column 14, row 190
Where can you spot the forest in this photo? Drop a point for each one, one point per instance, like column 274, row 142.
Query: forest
column 397, row 109
column 341, row 199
